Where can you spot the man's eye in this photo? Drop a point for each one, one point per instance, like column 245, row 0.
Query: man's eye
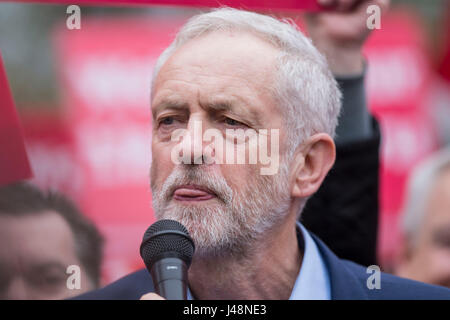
column 47, row 280
column 232, row 122
column 167, row 121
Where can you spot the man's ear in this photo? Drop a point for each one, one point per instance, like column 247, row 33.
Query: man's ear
column 312, row 162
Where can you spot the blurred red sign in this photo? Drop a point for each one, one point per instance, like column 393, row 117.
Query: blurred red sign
column 50, row 148
column 310, row 5
column 398, row 83
column 14, row 165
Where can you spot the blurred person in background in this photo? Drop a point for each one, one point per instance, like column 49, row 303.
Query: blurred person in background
column 41, row 235
column 425, row 254
column 347, row 223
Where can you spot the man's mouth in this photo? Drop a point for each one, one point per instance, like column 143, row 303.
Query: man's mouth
column 192, row 193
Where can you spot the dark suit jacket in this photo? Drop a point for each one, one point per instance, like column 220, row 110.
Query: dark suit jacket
column 348, row 281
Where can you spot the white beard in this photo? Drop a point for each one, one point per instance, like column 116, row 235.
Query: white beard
column 232, row 222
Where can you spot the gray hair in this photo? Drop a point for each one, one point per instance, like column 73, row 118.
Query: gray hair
column 303, row 85
column 420, row 186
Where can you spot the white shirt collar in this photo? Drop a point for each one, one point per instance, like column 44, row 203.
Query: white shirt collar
column 313, row 281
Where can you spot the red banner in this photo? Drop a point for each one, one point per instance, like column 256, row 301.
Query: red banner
column 14, row 165
column 398, row 85
column 310, row 5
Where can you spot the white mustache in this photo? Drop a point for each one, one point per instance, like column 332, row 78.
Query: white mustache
column 183, row 175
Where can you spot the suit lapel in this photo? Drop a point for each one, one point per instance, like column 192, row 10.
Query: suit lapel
column 344, row 284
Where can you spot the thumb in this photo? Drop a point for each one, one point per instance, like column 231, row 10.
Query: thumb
column 151, row 296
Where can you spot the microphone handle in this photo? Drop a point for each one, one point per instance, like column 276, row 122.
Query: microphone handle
column 170, row 278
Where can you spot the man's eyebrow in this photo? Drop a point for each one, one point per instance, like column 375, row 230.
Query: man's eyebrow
column 232, row 107
column 40, row 267
column 169, row 104
column 222, row 105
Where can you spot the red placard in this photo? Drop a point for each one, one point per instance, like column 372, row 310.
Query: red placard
column 398, row 85
column 310, row 5
column 14, row 164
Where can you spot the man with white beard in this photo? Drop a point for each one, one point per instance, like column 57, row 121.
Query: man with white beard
column 232, row 69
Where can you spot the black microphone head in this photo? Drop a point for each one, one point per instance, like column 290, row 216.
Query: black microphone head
column 166, row 239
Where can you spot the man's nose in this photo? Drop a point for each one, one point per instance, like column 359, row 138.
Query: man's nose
column 195, row 150
column 17, row 289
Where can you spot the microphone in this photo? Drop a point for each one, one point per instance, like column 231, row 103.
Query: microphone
column 167, row 251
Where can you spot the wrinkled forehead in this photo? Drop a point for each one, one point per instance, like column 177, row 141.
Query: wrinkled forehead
column 226, row 68
column 232, row 53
